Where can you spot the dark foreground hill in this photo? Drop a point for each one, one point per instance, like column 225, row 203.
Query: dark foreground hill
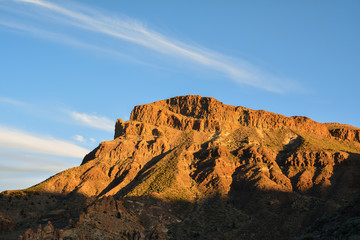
column 192, row 167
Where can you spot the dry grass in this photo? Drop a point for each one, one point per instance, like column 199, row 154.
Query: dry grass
column 162, row 175
column 316, row 143
column 332, row 126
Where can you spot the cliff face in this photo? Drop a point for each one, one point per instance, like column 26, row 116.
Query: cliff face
column 191, row 150
column 207, row 114
column 344, row 132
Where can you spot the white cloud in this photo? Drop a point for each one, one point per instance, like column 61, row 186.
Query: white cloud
column 32, row 169
column 93, row 121
column 132, row 31
column 85, row 141
column 21, row 168
column 61, row 38
column 16, row 139
column 18, row 181
column 79, row 138
column 14, row 157
column 12, row 101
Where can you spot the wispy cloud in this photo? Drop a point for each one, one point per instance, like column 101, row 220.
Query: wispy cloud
column 12, row 102
column 33, row 169
column 18, row 181
column 14, row 157
column 16, row 139
column 57, row 114
column 21, row 169
column 83, row 140
column 79, row 138
column 67, row 40
column 132, row 31
column 93, row 121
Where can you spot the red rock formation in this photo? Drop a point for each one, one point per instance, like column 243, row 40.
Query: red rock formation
column 193, row 145
column 344, row 131
column 194, row 149
column 208, row 114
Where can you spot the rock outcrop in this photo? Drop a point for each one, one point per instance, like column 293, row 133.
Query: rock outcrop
column 6, row 223
column 175, row 159
column 344, row 131
column 206, row 114
column 48, row 232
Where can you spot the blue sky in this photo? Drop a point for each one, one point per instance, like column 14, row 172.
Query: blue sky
column 69, row 69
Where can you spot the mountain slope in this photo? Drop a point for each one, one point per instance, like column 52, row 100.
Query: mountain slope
column 190, row 146
column 192, row 153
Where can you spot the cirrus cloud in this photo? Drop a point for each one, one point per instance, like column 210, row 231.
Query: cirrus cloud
column 17, row 139
column 92, row 120
column 133, row 31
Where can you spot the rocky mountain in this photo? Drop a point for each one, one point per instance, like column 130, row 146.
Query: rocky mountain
column 191, row 167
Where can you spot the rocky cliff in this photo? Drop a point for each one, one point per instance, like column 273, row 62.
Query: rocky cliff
column 215, row 170
column 205, row 114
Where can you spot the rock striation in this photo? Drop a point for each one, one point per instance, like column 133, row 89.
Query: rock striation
column 191, row 167
column 206, row 114
column 344, row 131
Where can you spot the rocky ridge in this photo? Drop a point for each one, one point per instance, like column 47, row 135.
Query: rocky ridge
column 187, row 154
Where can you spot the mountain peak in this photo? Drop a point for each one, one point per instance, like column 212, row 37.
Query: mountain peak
column 166, row 147
column 215, row 159
column 206, row 114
